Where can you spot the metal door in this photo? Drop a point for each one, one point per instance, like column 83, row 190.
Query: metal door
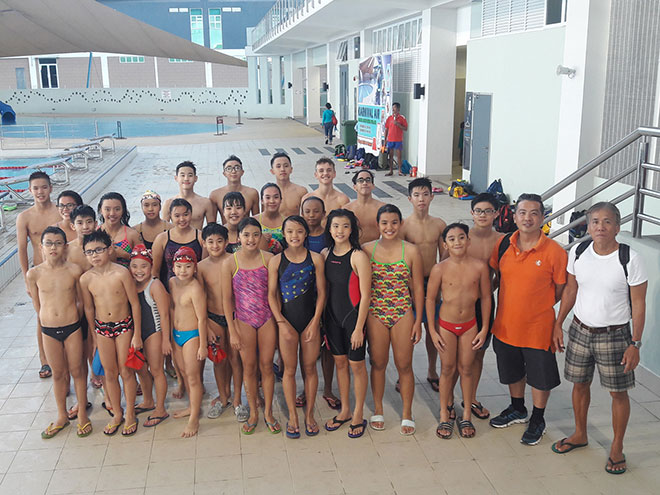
column 20, row 78
column 476, row 139
column 343, row 92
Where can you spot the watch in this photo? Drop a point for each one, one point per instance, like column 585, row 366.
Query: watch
column 637, row 344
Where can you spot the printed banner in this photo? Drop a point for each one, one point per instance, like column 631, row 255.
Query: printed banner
column 374, row 100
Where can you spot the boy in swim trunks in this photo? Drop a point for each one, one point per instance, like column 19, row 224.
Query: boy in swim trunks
column 112, row 308
column 365, row 206
column 232, row 169
column 55, row 289
column 292, row 194
column 202, row 208
column 461, row 280
column 209, row 272
column 425, row 231
column 189, row 317
column 325, row 173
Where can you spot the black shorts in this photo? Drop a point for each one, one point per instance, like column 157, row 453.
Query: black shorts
column 219, row 320
column 515, row 363
column 338, row 336
column 477, row 311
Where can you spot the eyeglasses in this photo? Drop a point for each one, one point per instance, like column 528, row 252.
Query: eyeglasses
column 364, row 180
column 235, row 168
column 49, row 244
column 68, row 206
column 487, row 211
column 91, row 252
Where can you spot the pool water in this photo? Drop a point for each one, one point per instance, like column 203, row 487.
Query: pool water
column 83, row 127
column 7, row 170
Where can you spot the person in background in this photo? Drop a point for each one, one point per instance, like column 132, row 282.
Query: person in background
column 328, row 124
column 395, row 125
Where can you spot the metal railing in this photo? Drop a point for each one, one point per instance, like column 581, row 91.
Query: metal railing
column 639, row 191
column 281, row 15
column 42, row 135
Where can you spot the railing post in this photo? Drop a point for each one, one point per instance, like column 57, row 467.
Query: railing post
column 47, row 130
column 638, row 202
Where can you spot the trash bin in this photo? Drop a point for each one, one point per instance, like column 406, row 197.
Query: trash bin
column 348, row 132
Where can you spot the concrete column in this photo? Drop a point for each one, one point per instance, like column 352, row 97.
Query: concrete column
column 34, row 72
column 156, row 80
column 332, row 77
column 208, row 73
column 105, row 72
column 297, row 91
column 313, row 91
column 438, row 75
column 263, row 76
column 289, row 92
column 582, row 98
column 252, row 78
column 276, row 81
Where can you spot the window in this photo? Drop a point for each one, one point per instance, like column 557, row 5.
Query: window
column 356, row 47
column 342, row 51
column 215, row 29
column 258, row 81
column 555, row 11
column 179, row 61
column 131, row 60
column 48, row 72
column 196, row 26
column 173, row 9
column 235, row 9
column 183, row 9
column 226, row 9
column 282, row 91
column 509, row 16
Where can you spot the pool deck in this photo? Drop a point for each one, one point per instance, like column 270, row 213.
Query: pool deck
column 221, row 460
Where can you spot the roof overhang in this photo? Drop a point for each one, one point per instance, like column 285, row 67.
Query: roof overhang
column 37, row 27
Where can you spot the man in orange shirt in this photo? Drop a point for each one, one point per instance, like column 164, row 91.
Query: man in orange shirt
column 394, row 127
column 532, row 273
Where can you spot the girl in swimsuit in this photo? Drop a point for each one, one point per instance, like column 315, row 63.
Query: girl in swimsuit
column 114, row 217
column 245, row 295
column 271, row 219
column 233, row 210
column 155, row 310
column 152, row 225
column 396, row 272
column 296, row 293
column 348, row 273
column 67, row 201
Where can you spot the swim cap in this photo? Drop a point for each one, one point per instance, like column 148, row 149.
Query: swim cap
column 141, row 252
column 149, row 194
column 185, row 254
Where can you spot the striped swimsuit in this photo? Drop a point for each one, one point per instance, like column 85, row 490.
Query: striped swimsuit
column 250, row 288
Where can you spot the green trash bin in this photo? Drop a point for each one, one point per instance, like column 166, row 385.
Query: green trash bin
column 348, row 132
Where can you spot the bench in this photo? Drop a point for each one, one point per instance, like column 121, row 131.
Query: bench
column 100, row 139
column 13, row 191
column 78, row 154
column 59, row 164
column 93, row 148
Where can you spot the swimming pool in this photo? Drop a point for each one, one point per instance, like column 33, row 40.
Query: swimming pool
column 13, row 167
column 86, row 127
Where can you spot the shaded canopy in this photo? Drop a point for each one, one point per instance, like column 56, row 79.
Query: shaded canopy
column 39, row 27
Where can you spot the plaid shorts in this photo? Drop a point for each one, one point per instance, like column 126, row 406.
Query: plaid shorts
column 585, row 350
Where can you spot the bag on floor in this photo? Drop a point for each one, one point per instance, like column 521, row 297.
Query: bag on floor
column 350, row 151
column 370, row 161
column 406, row 168
column 382, row 161
column 340, row 150
column 359, row 154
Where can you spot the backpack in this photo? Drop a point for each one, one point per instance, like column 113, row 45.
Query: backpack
column 370, row 161
column 405, row 167
column 351, row 151
column 359, row 154
column 497, row 191
column 504, row 222
column 382, row 161
column 624, row 258
column 579, row 230
column 340, row 150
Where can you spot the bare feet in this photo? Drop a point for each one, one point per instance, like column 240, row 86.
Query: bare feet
column 191, row 429
column 181, row 413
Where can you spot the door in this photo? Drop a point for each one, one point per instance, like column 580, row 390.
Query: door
column 476, row 139
column 343, row 92
column 304, row 85
column 20, row 78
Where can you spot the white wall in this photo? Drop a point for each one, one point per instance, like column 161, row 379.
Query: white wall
column 519, row 71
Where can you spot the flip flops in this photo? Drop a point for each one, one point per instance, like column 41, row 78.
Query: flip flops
column 309, row 432
column 571, row 446
column 613, row 469
column 111, row 428
column 45, row 371
column 129, row 430
column 158, row 419
column 352, row 428
column 74, row 415
column 248, row 428
column 377, row 418
column 82, row 433
column 465, row 423
column 274, row 427
column 333, row 403
column 477, row 409
column 292, row 432
column 338, row 422
column 140, row 409
column 301, row 400
column 407, row 423
column 52, row 430
column 96, row 382
column 435, row 383
column 109, row 409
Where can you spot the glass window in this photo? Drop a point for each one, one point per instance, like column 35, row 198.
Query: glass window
column 215, row 29
column 554, row 13
column 395, row 38
column 179, row 61
column 356, row 47
column 235, row 9
column 48, row 73
column 196, row 26
column 401, row 36
column 407, row 35
column 226, row 9
column 413, row 33
column 282, row 78
column 173, row 9
column 131, row 60
column 269, row 76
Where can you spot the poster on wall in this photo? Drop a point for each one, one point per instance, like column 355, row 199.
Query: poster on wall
column 374, row 100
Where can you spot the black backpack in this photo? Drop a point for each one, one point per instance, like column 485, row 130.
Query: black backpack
column 370, row 161
column 579, row 230
column 624, row 258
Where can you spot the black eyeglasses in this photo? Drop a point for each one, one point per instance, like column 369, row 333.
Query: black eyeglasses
column 67, row 206
column 52, row 243
column 91, row 252
column 364, row 180
column 234, row 168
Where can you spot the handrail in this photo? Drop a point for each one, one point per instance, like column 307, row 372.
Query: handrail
column 608, row 153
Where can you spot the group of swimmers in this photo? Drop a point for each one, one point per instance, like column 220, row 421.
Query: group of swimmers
column 311, row 275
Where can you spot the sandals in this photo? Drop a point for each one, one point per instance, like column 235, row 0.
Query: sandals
column 140, row 409
column 377, row 418
column 445, row 426
column 333, row 403
column 435, row 383
column 338, row 422
column 462, row 425
column 407, row 423
column 611, row 468
column 452, row 412
column 556, row 447
column 111, row 428
column 274, row 427
column 248, row 428
column 477, row 409
column 158, row 419
column 83, row 430
column 74, row 415
column 109, row 409
column 45, row 371
column 310, row 432
column 96, row 382
column 352, row 428
column 292, row 432
column 53, row 430
column 301, row 400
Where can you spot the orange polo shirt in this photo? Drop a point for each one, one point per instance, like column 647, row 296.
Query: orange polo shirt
column 525, row 314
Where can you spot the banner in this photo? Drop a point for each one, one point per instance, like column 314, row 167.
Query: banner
column 374, row 100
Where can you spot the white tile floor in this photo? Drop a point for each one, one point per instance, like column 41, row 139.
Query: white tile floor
column 221, row 460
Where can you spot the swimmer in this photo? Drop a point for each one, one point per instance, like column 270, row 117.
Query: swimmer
column 365, row 206
column 233, row 210
column 152, row 225
column 271, row 218
column 245, row 296
column 296, row 293
column 112, row 308
column 460, row 280
column 114, row 217
column 66, row 202
column 292, row 194
column 202, row 208
column 232, row 169
column 325, row 173
column 189, row 332
column 56, row 296
column 396, row 272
